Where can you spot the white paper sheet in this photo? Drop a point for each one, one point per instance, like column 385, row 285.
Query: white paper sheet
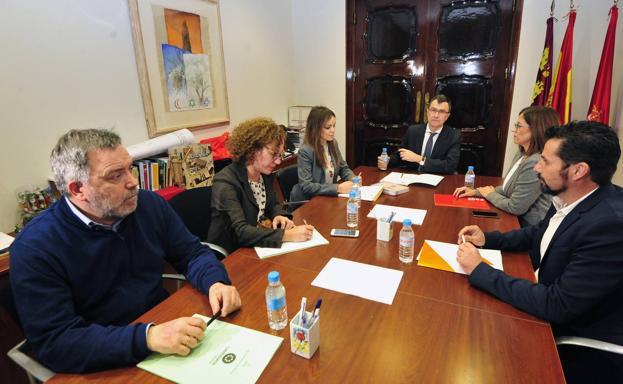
column 291, row 246
column 227, row 354
column 160, row 144
column 381, row 211
column 354, row 279
column 410, row 178
column 5, row 240
column 448, row 251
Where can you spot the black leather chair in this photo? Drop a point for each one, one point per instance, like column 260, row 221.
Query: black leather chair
column 22, row 354
column 193, row 206
column 288, row 177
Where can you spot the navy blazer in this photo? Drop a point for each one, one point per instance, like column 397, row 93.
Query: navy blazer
column 580, row 287
column 445, row 155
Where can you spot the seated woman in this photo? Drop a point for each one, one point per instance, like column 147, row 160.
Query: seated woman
column 520, row 193
column 245, row 211
column 320, row 162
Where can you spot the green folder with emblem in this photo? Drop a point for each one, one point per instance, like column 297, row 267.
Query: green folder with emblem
column 227, row 354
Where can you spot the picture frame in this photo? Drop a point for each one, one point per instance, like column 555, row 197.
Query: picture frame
column 180, row 62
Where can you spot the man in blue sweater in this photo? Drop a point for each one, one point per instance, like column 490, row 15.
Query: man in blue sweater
column 89, row 265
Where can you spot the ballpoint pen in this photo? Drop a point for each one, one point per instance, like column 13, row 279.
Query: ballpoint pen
column 462, row 239
column 316, row 311
column 214, row 317
column 391, row 216
column 302, row 319
column 305, row 221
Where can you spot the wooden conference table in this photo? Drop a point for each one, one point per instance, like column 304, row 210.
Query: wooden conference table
column 438, row 329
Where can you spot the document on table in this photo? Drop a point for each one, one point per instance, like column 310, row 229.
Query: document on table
column 5, row 241
column 368, row 192
column 291, row 246
column 411, row 178
column 227, row 354
column 447, row 200
column 438, row 255
column 354, row 279
column 381, row 211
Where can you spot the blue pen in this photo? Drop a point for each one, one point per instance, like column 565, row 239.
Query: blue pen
column 316, row 310
column 391, row 216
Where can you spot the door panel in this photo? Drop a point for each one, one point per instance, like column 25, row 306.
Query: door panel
column 400, row 54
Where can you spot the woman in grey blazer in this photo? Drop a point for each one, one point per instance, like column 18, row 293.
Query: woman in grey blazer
column 520, row 193
column 320, row 163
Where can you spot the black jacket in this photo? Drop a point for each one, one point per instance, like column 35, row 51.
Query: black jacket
column 234, row 211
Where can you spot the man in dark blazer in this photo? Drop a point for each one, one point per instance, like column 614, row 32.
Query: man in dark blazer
column 418, row 152
column 576, row 250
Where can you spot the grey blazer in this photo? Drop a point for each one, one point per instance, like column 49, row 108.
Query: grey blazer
column 312, row 176
column 522, row 195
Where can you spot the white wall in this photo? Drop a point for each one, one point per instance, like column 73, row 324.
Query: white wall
column 319, row 34
column 70, row 64
column 589, row 33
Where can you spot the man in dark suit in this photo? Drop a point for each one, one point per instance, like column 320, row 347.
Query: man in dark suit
column 432, row 147
column 576, row 250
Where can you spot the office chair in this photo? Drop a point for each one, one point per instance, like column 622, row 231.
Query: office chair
column 604, row 364
column 288, row 177
column 193, row 206
column 22, row 354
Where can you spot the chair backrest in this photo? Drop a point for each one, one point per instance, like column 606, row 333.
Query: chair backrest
column 287, row 177
column 8, row 303
column 193, row 207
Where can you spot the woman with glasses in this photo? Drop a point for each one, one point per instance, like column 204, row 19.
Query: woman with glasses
column 520, row 193
column 245, row 211
column 321, row 166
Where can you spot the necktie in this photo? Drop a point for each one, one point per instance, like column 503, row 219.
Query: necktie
column 429, row 145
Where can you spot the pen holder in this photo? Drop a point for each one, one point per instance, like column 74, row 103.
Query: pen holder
column 384, row 230
column 304, row 340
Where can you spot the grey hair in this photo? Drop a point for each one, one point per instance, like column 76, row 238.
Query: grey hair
column 69, row 160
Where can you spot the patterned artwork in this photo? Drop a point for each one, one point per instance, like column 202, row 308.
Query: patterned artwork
column 187, row 67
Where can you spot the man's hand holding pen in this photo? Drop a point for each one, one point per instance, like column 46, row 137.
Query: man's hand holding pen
column 467, row 255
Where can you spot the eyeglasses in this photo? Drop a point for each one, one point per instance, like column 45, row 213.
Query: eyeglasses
column 274, row 155
column 440, row 111
column 517, row 126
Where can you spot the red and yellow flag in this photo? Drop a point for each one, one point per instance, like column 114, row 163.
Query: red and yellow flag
column 599, row 108
column 544, row 75
column 560, row 92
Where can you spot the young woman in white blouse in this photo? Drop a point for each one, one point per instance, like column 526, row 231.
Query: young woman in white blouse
column 520, row 193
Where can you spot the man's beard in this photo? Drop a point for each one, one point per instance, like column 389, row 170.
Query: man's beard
column 549, row 191
column 104, row 208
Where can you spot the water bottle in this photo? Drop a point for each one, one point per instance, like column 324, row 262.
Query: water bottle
column 470, row 177
column 352, row 211
column 385, row 159
column 357, row 190
column 276, row 302
column 407, row 240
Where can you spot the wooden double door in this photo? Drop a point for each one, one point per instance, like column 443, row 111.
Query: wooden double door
column 401, row 53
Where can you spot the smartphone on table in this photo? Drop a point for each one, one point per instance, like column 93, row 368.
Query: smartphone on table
column 489, row 214
column 345, row 232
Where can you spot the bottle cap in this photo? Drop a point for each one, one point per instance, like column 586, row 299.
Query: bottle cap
column 384, row 149
column 356, row 179
column 352, row 194
column 470, row 167
column 273, row 277
column 406, row 222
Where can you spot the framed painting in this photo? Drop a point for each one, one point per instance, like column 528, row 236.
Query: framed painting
column 179, row 55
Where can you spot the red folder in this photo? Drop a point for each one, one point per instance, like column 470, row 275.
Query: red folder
column 463, row 202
